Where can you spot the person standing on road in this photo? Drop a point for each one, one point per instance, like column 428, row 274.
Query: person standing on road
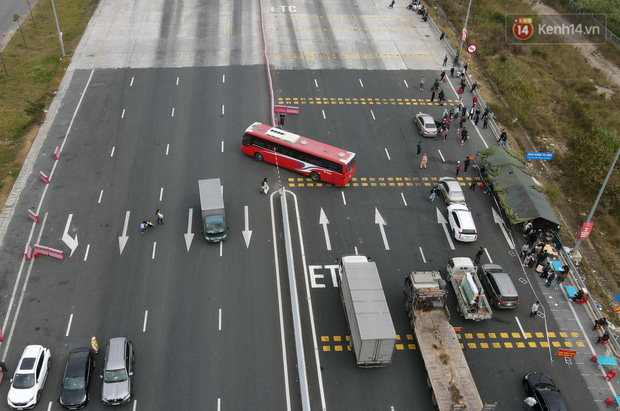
column 94, row 345
column 535, row 308
column 467, row 161
column 442, row 76
column 485, row 123
column 478, row 255
column 474, row 101
column 458, row 167
column 445, row 59
column 473, row 184
column 160, row 216
column 422, row 83
column 423, row 163
column 528, row 403
column 392, row 4
column 3, row 368
column 264, row 187
column 451, row 112
column 419, row 149
column 559, row 280
column 143, row 227
column 460, row 93
column 452, row 72
column 442, row 98
column 433, row 95
column 433, row 194
column 436, row 84
column 550, row 278
column 473, row 86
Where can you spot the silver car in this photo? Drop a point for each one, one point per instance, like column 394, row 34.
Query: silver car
column 426, row 125
column 451, row 191
column 117, row 371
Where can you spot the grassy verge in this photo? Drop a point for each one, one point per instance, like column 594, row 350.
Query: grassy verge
column 556, row 97
column 32, row 70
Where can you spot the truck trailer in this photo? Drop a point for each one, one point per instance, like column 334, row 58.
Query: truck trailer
column 471, row 302
column 373, row 336
column 212, row 208
column 449, row 377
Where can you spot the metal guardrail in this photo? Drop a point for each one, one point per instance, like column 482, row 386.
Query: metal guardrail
column 610, row 36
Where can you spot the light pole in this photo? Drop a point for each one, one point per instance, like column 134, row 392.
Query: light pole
column 465, row 27
column 598, row 197
column 62, row 47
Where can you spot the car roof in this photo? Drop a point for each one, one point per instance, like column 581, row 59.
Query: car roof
column 492, row 268
column 29, row 356
column 426, row 117
column 77, row 361
column 116, row 353
column 451, row 182
column 508, row 287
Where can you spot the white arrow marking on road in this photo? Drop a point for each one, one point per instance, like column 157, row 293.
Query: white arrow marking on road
column 72, row 243
column 122, row 240
column 499, row 220
column 379, row 220
column 189, row 236
column 247, row 233
column 442, row 220
column 324, row 221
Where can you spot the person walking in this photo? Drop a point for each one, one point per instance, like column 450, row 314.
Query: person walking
column 535, row 308
column 473, row 87
column 464, row 134
column 392, row 4
column 524, row 250
column 466, row 164
column 455, row 62
column 528, row 403
column 445, row 59
column 445, row 131
column 550, row 277
column 264, row 187
column 160, row 216
column 559, row 280
column 423, row 162
column 473, row 184
column 460, row 93
column 436, row 84
column 144, row 227
column 485, row 123
column 474, row 101
column 433, row 95
column 478, row 255
column 442, row 98
column 94, row 345
column 476, row 119
column 452, row 72
column 433, row 194
column 419, row 150
column 458, row 167
column 470, row 115
column 445, row 114
column 3, row 368
column 451, row 112
column 442, row 76
column 422, row 83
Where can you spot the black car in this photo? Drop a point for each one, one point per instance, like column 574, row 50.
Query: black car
column 541, row 387
column 74, row 393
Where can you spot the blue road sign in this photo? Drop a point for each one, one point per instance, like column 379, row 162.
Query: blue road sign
column 618, row 297
column 533, row 155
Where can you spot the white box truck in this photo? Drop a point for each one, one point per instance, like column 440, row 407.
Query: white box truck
column 212, row 207
column 373, row 336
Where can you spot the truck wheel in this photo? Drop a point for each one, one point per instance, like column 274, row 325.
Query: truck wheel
column 315, row 176
column 258, row 157
column 458, row 308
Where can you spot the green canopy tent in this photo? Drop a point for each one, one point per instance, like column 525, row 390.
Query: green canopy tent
column 516, row 189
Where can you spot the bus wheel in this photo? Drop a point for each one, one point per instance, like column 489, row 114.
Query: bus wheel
column 258, row 156
column 315, row 176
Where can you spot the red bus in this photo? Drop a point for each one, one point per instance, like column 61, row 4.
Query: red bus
column 320, row 161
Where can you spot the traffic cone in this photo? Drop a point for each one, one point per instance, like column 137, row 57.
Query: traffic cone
column 458, row 130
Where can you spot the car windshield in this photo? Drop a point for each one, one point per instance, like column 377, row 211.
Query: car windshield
column 458, row 194
column 115, row 375
column 214, row 225
column 75, row 383
column 23, row 381
column 546, row 387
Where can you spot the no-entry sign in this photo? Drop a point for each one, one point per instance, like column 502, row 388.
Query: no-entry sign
column 471, row 49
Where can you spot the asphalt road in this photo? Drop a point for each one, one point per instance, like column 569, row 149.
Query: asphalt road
column 165, row 92
column 8, row 9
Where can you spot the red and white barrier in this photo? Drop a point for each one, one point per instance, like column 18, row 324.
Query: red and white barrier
column 33, row 216
column 286, row 109
column 44, row 177
column 28, row 252
column 52, row 252
column 57, row 153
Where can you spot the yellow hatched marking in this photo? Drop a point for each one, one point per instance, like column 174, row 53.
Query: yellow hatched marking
column 492, row 335
column 580, row 344
column 471, row 345
column 503, row 335
column 544, row 344
column 337, row 338
column 411, row 346
column 337, row 347
column 481, row 336
column 462, row 346
column 348, row 348
column 574, row 334
column 516, row 335
column 556, row 344
column 458, row 336
column 348, row 338
column 551, row 334
column 563, row 334
column 484, row 345
column 568, row 344
column 400, row 347
column 325, row 338
column 327, row 348
column 528, row 335
column 508, row 345
column 539, row 335
column 496, row 345
column 410, row 337
column 520, row 344
column 398, row 337
column 532, row 344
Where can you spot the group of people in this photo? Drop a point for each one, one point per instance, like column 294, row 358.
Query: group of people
column 145, row 225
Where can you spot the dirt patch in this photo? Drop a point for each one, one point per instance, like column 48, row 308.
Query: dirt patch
column 9, row 179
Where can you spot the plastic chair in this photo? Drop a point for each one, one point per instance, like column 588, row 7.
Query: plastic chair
column 610, row 401
column 610, row 376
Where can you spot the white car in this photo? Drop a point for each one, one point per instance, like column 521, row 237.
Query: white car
column 462, row 223
column 451, row 190
column 426, row 124
column 29, row 378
